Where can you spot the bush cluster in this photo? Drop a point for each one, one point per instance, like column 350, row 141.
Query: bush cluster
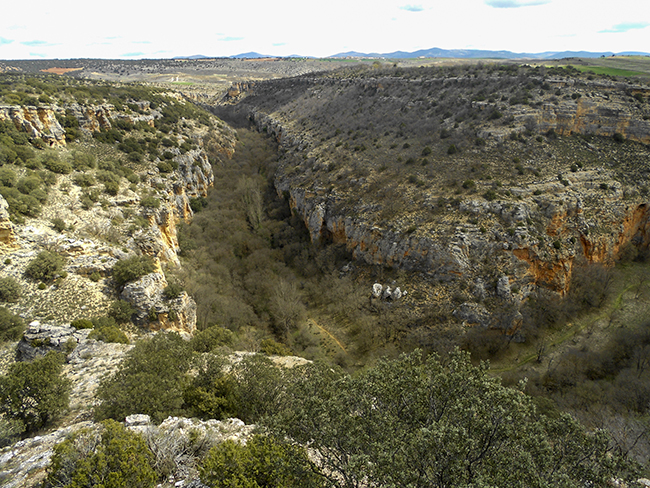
column 45, row 266
column 35, row 393
column 11, row 326
column 130, row 269
column 10, row 289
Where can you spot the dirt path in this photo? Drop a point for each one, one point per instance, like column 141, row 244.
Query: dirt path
column 312, row 321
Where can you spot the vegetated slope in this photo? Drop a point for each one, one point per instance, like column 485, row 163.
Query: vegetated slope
column 492, row 182
column 97, row 173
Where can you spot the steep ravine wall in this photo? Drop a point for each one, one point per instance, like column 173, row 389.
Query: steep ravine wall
column 527, row 261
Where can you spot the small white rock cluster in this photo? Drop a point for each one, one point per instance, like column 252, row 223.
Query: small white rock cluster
column 387, row 293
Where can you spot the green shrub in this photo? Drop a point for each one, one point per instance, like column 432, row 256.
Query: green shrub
column 211, row 338
column 452, row 149
column 82, row 324
column 212, row 392
column 35, row 393
column 29, row 183
column 55, row 165
column 150, row 380
column 111, row 188
column 130, row 269
column 173, row 289
column 84, row 180
column 7, row 177
column 58, row 224
column 45, row 266
column 490, row 195
column 271, row 347
column 110, row 333
column 11, row 326
column 10, row 290
column 82, row 161
column 121, row 311
column 262, row 462
column 150, row 202
column 469, row 184
column 198, row 204
column 165, row 167
column 10, row 431
column 109, row 456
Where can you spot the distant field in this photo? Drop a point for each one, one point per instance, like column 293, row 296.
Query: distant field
column 627, row 66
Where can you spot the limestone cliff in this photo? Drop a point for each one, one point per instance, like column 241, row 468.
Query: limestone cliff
column 530, row 233
column 37, row 122
column 7, row 234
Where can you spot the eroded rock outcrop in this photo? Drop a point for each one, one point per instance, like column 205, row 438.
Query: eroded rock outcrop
column 37, row 122
column 154, row 311
column 7, row 233
column 39, row 339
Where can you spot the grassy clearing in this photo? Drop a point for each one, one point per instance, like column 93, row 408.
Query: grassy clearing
column 602, row 70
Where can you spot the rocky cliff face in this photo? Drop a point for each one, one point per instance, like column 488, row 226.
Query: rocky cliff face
column 37, row 122
column 7, row 235
column 597, row 109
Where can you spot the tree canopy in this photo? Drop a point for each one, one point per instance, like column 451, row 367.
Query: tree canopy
column 427, row 423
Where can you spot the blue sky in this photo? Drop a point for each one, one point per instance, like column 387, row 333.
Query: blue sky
column 132, row 29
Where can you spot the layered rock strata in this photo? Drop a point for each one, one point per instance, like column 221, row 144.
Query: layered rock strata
column 37, row 122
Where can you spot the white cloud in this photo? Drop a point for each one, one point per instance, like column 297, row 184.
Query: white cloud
column 515, row 3
column 412, row 8
column 626, row 27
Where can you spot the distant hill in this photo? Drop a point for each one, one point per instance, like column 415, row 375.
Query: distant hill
column 476, row 53
column 195, row 56
column 252, row 55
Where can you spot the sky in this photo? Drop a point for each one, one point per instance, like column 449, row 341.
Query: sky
column 135, row 29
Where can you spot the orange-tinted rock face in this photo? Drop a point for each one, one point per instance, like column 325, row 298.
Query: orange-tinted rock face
column 632, row 230
column 591, row 116
column 37, row 122
column 551, row 274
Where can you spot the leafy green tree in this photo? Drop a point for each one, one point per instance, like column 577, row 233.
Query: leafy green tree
column 209, row 339
column 45, row 266
column 260, row 387
column 35, row 393
column 150, row 380
column 262, row 462
column 108, row 457
column 132, row 268
column 424, row 423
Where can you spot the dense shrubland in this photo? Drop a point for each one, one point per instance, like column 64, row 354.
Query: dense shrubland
column 450, row 422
